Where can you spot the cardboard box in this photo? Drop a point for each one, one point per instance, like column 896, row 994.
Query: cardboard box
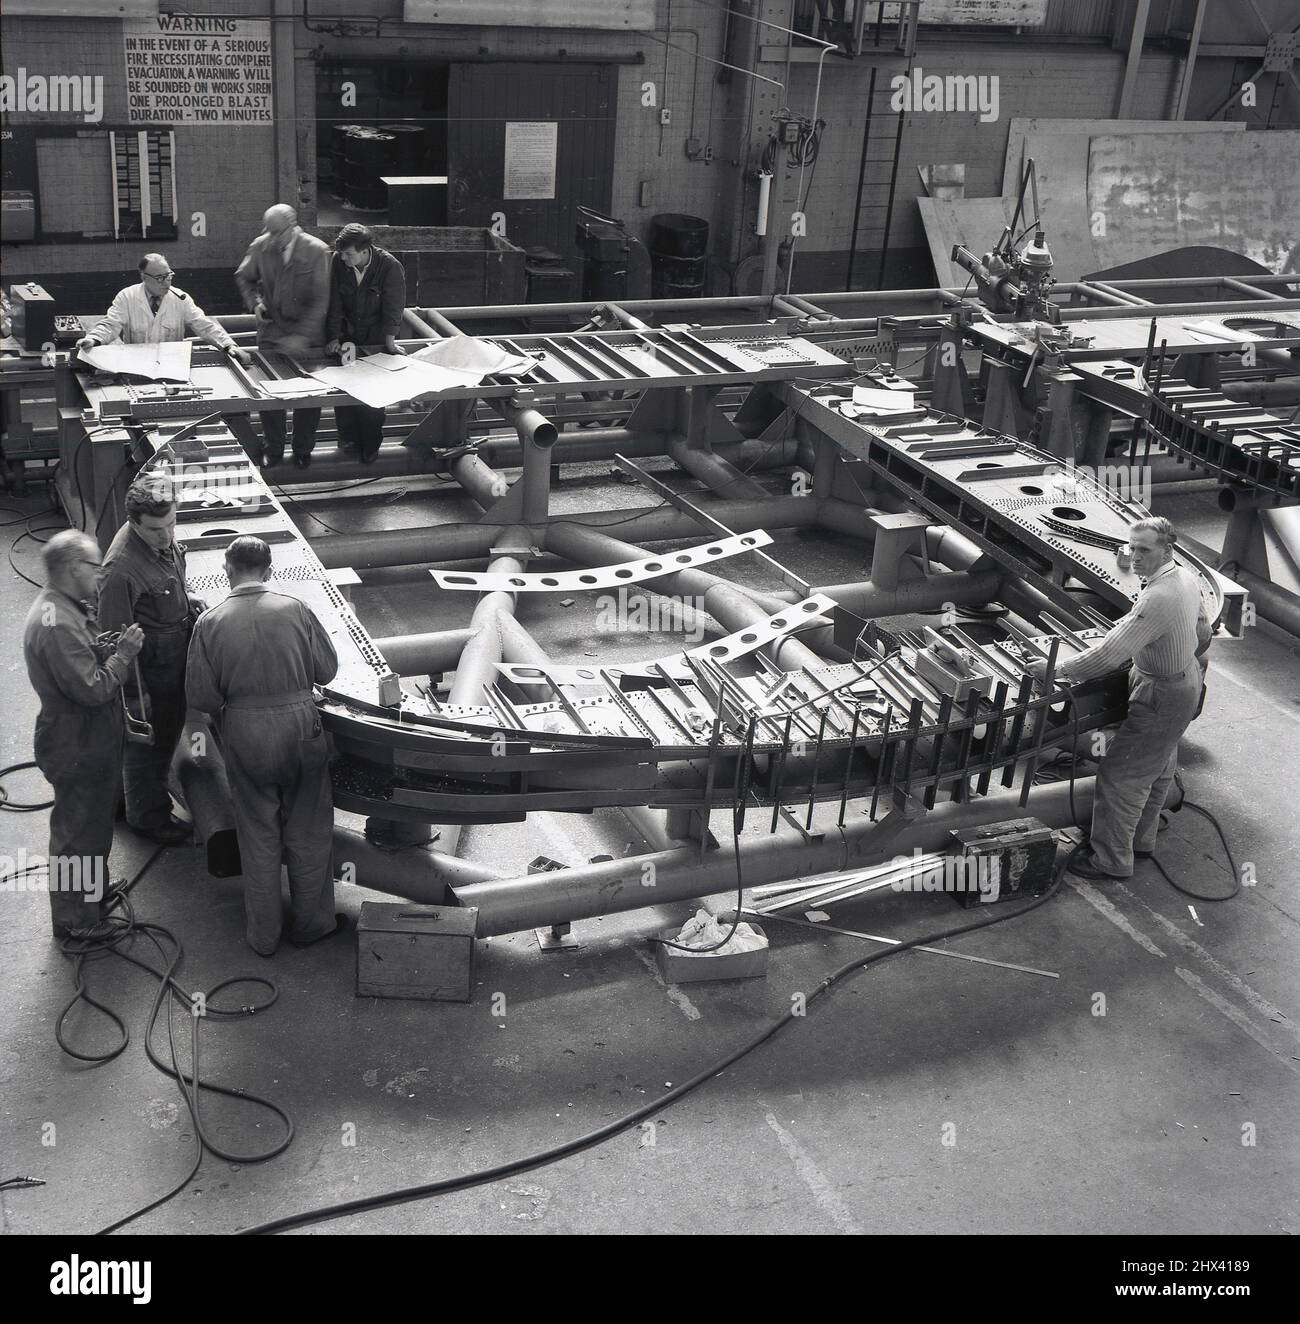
column 677, row 968
column 414, row 951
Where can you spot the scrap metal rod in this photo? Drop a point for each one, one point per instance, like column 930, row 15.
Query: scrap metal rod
column 894, row 942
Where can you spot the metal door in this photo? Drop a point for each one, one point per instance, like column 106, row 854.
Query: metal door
column 577, row 99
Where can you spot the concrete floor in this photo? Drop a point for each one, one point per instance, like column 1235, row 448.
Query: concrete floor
column 1056, row 1119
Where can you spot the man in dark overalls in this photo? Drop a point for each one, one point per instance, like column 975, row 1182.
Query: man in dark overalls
column 79, row 728
column 144, row 581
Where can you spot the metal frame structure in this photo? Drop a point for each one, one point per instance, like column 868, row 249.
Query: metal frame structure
column 833, row 739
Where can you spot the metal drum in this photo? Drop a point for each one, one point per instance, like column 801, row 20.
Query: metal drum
column 368, row 154
column 408, row 148
column 678, row 255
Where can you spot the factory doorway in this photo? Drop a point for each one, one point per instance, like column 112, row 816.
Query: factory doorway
column 527, row 144
column 377, row 122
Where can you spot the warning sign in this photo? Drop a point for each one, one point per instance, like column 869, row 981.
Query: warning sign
column 188, row 69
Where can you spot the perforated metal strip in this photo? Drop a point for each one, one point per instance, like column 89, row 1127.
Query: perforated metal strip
column 609, row 576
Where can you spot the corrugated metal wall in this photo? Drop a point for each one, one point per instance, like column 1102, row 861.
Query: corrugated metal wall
column 1079, row 18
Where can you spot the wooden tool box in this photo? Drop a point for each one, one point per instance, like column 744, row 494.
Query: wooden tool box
column 1012, row 860
column 414, row 951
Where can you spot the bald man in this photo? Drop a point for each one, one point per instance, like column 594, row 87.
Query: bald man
column 284, row 280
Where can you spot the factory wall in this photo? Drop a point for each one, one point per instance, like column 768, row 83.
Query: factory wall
column 225, row 172
column 1058, row 81
column 1068, row 68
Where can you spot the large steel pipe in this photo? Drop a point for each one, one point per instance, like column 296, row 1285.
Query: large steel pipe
column 442, row 542
column 484, row 649
column 508, row 905
column 467, row 542
column 1274, row 604
column 960, row 587
column 730, row 606
column 424, row 654
column 412, row 871
column 719, row 475
column 484, row 485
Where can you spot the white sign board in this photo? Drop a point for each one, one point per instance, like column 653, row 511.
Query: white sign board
column 619, row 15
column 1000, row 13
column 530, row 159
column 183, row 69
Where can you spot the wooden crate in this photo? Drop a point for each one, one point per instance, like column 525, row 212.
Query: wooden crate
column 449, row 266
column 414, row 951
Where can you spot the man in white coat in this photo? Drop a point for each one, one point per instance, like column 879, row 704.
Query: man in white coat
column 154, row 311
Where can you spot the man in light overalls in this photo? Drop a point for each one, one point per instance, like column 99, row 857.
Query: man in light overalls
column 253, row 660
column 1165, row 634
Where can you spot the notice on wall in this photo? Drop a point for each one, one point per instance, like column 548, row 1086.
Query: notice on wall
column 189, row 69
column 530, row 159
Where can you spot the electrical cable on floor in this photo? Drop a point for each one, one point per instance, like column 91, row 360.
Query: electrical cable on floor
column 114, row 936
column 1185, row 803
column 34, row 535
column 17, row 806
column 1227, row 850
column 529, row 1162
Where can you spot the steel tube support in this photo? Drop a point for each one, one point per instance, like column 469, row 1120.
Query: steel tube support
column 424, row 654
column 413, row 871
column 729, row 605
column 484, row 650
column 508, row 905
column 961, row 587
column 717, row 474
column 451, row 542
column 1274, row 604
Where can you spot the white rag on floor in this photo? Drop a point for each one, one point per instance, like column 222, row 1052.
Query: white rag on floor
column 704, row 930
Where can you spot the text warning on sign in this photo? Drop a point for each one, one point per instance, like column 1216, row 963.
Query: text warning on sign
column 186, row 70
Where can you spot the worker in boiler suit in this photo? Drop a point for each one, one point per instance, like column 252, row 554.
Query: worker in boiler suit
column 154, row 311
column 79, row 730
column 253, row 661
column 1165, row 634
column 144, row 581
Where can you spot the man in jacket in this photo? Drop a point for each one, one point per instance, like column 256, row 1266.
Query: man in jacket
column 79, row 728
column 155, row 310
column 284, row 281
column 144, row 581
column 254, row 659
column 367, row 299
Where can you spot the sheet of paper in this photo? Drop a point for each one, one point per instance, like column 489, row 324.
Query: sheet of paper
column 388, row 362
column 168, row 361
column 478, row 357
column 380, row 386
column 292, row 386
column 883, row 402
